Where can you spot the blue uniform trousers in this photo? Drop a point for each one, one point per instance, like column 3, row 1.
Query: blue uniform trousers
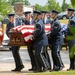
column 41, row 61
column 46, row 54
column 31, row 55
column 55, row 52
column 17, row 59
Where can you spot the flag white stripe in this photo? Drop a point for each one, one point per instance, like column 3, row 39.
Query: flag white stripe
column 28, row 37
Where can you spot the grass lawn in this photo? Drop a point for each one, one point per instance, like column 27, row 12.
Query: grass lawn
column 64, row 21
column 55, row 73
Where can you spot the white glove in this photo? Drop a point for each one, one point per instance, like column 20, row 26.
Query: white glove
column 32, row 38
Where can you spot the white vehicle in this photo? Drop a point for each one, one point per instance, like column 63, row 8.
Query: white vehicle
column 63, row 15
column 5, row 43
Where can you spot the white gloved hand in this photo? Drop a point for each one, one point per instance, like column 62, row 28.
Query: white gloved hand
column 32, row 38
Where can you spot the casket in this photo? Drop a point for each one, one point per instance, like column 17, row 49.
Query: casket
column 20, row 35
column 17, row 39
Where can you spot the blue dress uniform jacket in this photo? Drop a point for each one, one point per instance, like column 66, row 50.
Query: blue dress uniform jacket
column 39, row 34
column 31, row 22
column 27, row 22
column 47, row 20
column 11, row 25
column 56, row 34
column 72, row 21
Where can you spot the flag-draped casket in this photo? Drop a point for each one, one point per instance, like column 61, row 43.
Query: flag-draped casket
column 21, row 35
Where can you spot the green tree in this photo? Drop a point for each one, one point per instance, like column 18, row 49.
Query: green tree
column 5, row 8
column 38, row 7
column 26, row 2
column 73, row 3
column 52, row 4
column 45, row 7
column 65, row 5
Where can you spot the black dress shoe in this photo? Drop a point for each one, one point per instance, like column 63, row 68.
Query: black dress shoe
column 37, row 70
column 45, row 69
column 15, row 69
column 18, row 69
column 32, row 69
column 62, row 67
column 50, row 69
column 55, row 69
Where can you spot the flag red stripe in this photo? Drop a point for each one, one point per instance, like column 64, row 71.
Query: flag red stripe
column 27, row 30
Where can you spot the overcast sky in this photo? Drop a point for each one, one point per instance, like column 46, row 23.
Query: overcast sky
column 43, row 2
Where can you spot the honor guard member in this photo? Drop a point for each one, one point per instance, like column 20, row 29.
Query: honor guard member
column 26, row 21
column 30, row 21
column 45, row 18
column 71, row 42
column 40, row 42
column 15, row 49
column 56, row 41
column 28, row 18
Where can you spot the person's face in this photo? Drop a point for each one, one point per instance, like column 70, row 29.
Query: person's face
column 53, row 15
column 11, row 19
column 49, row 14
column 35, row 16
column 43, row 16
column 70, row 13
column 28, row 17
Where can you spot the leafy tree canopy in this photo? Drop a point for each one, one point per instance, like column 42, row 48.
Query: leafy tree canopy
column 73, row 2
column 26, row 2
column 5, row 8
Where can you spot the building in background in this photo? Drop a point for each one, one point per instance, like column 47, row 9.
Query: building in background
column 19, row 8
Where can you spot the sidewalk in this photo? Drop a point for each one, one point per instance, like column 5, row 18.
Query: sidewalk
column 5, row 69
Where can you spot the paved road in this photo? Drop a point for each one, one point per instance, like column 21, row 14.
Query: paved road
column 7, row 62
column 6, row 56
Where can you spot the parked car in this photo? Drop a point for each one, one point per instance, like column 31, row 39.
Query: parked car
column 5, row 43
column 63, row 15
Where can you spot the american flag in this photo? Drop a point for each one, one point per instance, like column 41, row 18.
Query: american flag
column 27, row 30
